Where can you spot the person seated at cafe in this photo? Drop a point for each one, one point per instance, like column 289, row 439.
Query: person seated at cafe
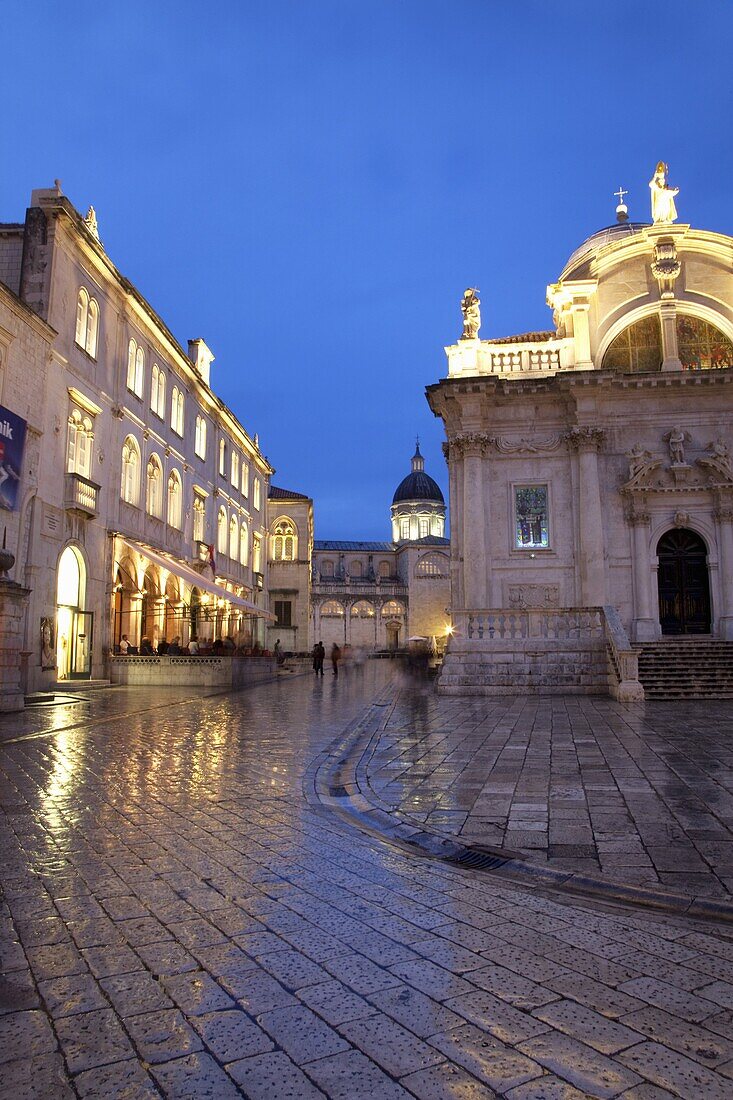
column 218, row 647
column 146, row 648
column 124, row 645
column 193, row 647
column 174, row 649
column 162, row 647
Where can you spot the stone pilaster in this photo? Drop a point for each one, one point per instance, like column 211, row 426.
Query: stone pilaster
column 472, row 447
column 644, row 627
column 586, row 442
column 724, row 517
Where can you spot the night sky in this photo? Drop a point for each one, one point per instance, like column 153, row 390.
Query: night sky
column 310, row 185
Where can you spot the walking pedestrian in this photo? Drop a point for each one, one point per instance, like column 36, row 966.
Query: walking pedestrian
column 335, row 658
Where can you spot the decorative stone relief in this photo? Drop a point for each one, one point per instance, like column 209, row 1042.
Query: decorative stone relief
column 681, row 519
column 718, row 460
column 666, row 267
column 533, row 595
column 641, row 464
column 90, row 221
column 527, row 446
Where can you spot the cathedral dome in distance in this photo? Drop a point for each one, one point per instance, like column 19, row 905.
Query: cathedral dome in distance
column 418, row 485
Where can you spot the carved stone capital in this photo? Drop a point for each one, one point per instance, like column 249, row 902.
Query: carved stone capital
column 724, row 515
column 585, row 438
column 470, row 444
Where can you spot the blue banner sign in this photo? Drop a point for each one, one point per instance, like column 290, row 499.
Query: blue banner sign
column 12, row 442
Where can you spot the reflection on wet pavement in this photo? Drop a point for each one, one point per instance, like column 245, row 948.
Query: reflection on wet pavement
column 178, row 920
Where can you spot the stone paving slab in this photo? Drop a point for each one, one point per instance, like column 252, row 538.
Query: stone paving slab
column 181, row 916
column 641, row 794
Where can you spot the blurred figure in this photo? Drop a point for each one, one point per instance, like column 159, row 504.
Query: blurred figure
column 319, row 654
column 335, row 658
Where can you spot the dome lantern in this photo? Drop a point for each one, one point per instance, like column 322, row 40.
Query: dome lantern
column 418, row 505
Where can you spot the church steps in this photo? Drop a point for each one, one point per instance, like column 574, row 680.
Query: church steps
column 686, row 668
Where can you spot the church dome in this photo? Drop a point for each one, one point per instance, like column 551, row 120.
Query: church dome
column 612, row 234
column 418, row 485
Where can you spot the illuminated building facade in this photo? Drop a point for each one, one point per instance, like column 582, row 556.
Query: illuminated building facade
column 369, row 595
column 591, row 475
column 142, row 503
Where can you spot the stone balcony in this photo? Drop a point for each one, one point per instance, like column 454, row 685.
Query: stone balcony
column 81, row 495
column 380, row 586
column 513, row 357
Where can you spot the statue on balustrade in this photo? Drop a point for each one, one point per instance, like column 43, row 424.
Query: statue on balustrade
column 470, row 303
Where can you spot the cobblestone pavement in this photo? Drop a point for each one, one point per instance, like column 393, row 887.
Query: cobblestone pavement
column 642, row 794
column 178, row 920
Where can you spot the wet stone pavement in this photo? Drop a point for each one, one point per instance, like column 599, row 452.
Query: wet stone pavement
column 642, row 794
column 178, row 920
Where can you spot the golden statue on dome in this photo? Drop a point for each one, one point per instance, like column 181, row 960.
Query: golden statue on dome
column 664, row 211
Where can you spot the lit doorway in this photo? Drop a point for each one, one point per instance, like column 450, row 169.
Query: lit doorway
column 73, row 623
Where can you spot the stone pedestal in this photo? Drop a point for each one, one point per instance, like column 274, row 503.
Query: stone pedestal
column 13, row 599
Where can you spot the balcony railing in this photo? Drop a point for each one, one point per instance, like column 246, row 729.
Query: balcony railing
column 539, row 357
column 392, row 586
column 81, row 494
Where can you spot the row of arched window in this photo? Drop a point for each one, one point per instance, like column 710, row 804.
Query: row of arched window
column 333, row 609
column 130, row 486
column 429, row 565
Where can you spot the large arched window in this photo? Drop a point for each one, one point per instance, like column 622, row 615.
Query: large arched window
column 135, row 368
column 130, row 489
column 243, row 543
column 256, row 554
column 223, row 457
column 355, row 568
column 175, row 497
column 233, row 538
column 154, row 499
column 221, row 531
column 432, row 565
column 177, row 411
column 392, row 609
column 284, row 540
column 332, row 609
column 326, row 568
column 362, row 610
column 157, row 392
column 235, row 469
column 700, row 346
column 87, row 322
column 79, row 448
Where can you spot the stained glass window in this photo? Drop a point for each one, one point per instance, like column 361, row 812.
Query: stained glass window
column 637, row 348
column 701, row 346
column 531, row 520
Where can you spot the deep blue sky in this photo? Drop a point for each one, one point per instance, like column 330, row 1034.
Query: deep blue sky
column 311, row 184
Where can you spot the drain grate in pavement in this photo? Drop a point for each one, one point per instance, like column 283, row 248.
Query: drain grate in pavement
column 482, row 861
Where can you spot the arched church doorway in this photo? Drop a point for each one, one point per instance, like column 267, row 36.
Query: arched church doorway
column 393, row 635
column 73, row 623
column 684, row 588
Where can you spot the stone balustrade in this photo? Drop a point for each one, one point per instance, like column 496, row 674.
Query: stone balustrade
column 188, row 671
column 470, row 357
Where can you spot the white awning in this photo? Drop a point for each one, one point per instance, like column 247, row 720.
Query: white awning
column 190, row 576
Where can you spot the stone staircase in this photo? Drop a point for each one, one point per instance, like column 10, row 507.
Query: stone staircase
column 691, row 667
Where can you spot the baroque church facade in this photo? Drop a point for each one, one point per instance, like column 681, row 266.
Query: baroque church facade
column 590, row 466
column 369, row 595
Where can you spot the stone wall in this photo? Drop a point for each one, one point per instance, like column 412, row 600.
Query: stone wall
column 211, row 672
